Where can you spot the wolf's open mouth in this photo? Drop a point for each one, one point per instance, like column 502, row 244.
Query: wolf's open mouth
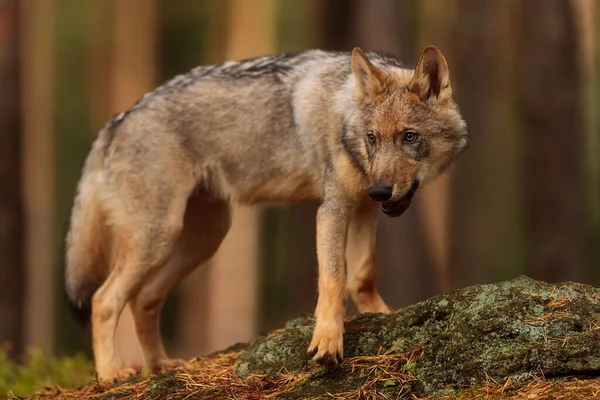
column 397, row 208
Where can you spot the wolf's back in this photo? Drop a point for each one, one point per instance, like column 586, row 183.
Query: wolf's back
column 86, row 240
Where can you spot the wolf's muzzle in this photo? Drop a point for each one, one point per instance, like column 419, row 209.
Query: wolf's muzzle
column 397, row 208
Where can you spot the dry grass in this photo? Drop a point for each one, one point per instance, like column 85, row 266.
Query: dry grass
column 214, row 378
column 551, row 316
column 538, row 388
column 559, row 302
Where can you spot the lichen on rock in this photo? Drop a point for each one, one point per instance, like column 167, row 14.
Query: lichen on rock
column 515, row 329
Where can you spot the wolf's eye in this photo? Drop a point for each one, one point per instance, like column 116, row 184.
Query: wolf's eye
column 371, row 137
column 410, row 136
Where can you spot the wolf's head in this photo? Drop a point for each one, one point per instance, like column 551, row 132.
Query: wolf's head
column 412, row 129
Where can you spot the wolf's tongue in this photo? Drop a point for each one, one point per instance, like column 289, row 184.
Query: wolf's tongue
column 396, row 208
column 389, row 205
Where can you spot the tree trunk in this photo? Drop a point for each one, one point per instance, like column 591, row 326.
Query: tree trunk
column 434, row 203
column 552, row 120
column 596, row 142
column 38, row 55
column 335, row 23
column 586, row 17
column 11, row 215
column 485, row 222
column 99, row 60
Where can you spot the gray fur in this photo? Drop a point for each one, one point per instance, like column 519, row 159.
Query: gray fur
column 154, row 198
column 263, row 109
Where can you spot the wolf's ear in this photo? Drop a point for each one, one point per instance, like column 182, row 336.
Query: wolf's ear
column 371, row 81
column 432, row 77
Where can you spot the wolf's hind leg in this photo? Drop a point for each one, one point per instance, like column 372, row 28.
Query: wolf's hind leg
column 206, row 222
column 143, row 237
column 136, row 254
column 360, row 259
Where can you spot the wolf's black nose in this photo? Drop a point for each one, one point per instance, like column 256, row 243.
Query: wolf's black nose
column 381, row 192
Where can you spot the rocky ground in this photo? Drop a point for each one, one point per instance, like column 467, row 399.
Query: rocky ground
column 515, row 339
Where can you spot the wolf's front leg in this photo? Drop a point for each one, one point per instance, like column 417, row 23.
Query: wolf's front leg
column 360, row 259
column 327, row 346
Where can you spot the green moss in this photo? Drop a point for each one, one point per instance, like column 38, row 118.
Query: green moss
column 515, row 329
column 166, row 385
column 289, row 345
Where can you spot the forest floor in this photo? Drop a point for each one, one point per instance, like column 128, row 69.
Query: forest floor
column 214, row 378
column 517, row 339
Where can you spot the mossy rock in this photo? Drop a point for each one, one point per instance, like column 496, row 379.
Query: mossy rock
column 516, row 329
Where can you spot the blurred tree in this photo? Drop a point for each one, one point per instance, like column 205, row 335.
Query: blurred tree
column 551, row 111
column 385, row 25
column 596, row 130
column 38, row 53
column 434, row 203
column 73, row 134
column 334, row 23
column 99, row 56
column 596, row 140
column 587, row 22
column 133, row 73
column 485, row 221
column 390, row 26
column 234, row 270
column 11, row 213
column 288, row 282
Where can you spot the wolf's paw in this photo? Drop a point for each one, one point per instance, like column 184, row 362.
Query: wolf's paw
column 168, row 363
column 371, row 302
column 327, row 348
column 116, row 375
column 375, row 309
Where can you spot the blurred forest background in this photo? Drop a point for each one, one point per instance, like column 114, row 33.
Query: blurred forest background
column 524, row 198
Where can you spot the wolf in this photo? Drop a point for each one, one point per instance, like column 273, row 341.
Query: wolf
column 355, row 131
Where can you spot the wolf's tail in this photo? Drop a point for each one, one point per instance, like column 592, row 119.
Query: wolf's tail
column 86, row 239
